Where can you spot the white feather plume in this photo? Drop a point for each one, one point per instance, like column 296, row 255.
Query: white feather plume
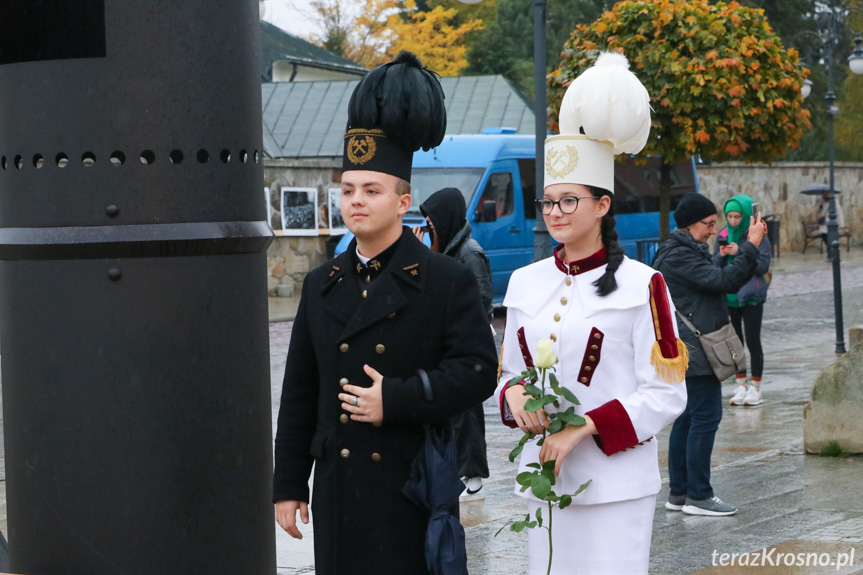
column 610, row 103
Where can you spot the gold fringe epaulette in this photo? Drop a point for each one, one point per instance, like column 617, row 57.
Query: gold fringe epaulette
column 670, row 370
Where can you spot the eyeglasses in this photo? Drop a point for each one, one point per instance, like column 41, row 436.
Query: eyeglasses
column 709, row 224
column 566, row 205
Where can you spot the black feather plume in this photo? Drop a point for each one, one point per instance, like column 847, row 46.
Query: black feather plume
column 404, row 99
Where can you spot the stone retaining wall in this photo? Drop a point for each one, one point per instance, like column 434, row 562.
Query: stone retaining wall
column 290, row 258
column 777, row 190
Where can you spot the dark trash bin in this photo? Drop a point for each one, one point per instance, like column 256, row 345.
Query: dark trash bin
column 773, row 221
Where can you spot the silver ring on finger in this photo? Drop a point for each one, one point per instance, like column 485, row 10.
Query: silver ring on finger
column 355, row 400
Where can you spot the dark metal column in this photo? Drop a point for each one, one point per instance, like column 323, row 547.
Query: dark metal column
column 133, row 312
column 541, row 241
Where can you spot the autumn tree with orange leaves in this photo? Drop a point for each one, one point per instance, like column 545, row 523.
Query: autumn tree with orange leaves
column 373, row 32
column 720, row 82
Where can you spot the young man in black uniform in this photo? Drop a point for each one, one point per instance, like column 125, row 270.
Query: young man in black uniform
column 388, row 337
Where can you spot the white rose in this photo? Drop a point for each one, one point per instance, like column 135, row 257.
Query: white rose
column 545, row 357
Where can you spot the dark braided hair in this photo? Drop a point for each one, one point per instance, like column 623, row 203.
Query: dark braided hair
column 613, row 251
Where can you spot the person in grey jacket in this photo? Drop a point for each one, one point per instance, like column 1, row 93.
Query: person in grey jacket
column 747, row 305
column 446, row 212
column 698, row 289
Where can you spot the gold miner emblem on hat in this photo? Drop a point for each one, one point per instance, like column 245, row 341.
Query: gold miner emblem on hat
column 559, row 163
column 361, row 149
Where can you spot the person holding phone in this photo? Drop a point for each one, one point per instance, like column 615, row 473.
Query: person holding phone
column 746, row 306
column 698, row 289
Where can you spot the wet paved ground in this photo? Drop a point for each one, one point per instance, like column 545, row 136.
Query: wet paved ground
column 789, row 502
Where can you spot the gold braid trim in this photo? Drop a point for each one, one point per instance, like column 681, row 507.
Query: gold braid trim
column 500, row 361
column 670, row 370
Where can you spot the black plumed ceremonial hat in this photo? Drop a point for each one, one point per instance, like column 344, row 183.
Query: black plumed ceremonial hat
column 395, row 110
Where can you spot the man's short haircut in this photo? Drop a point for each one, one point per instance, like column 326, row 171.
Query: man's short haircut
column 402, row 187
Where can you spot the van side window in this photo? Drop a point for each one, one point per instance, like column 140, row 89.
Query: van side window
column 498, row 189
column 527, row 171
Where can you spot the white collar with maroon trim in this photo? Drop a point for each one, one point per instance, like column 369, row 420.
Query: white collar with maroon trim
column 531, row 287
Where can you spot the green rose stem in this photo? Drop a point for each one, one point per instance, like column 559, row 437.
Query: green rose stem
column 542, row 372
column 541, row 479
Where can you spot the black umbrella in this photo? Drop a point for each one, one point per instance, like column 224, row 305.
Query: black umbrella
column 817, row 189
column 434, row 484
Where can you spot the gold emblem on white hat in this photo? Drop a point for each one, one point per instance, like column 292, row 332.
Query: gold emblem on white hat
column 560, row 162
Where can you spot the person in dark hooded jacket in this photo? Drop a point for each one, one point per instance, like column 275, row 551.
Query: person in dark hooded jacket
column 698, row 289
column 445, row 211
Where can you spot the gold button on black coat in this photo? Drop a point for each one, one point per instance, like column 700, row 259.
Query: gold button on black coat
column 344, row 418
column 365, row 294
column 376, row 457
column 345, row 453
column 343, row 381
column 380, row 348
column 344, row 347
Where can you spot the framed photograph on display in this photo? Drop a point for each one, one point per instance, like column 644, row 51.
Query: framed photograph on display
column 300, row 211
column 337, row 224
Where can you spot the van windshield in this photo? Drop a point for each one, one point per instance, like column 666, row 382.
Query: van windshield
column 426, row 181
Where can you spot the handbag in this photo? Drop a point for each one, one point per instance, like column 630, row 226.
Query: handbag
column 723, row 348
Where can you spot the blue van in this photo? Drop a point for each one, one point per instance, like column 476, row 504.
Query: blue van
column 495, row 171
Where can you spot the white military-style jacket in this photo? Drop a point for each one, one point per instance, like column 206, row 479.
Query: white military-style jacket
column 619, row 354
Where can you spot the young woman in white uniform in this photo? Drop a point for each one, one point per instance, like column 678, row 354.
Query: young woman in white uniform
column 611, row 321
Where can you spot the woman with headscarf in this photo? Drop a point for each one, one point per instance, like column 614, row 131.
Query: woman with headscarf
column 609, row 321
column 745, row 306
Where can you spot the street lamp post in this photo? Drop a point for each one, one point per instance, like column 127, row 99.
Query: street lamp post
column 541, row 243
column 833, row 225
column 829, row 39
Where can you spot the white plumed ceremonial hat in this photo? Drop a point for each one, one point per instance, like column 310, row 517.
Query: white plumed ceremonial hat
column 612, row 108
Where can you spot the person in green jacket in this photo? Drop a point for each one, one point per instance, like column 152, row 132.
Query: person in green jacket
column 746, row 306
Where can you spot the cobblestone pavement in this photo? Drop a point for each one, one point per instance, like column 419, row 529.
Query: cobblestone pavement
column 787, row 500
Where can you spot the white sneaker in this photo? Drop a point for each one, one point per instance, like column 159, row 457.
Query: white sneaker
column 472, row 489
column 753, row 397
column 740, row 392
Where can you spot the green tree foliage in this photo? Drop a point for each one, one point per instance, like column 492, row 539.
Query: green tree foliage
column 505, row 46
column 849, row 136
column 721, row 83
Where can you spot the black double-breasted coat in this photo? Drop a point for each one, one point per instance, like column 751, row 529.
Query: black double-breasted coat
column 420, row 324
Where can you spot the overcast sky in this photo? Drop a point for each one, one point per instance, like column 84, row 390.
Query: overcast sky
column 286, row 14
